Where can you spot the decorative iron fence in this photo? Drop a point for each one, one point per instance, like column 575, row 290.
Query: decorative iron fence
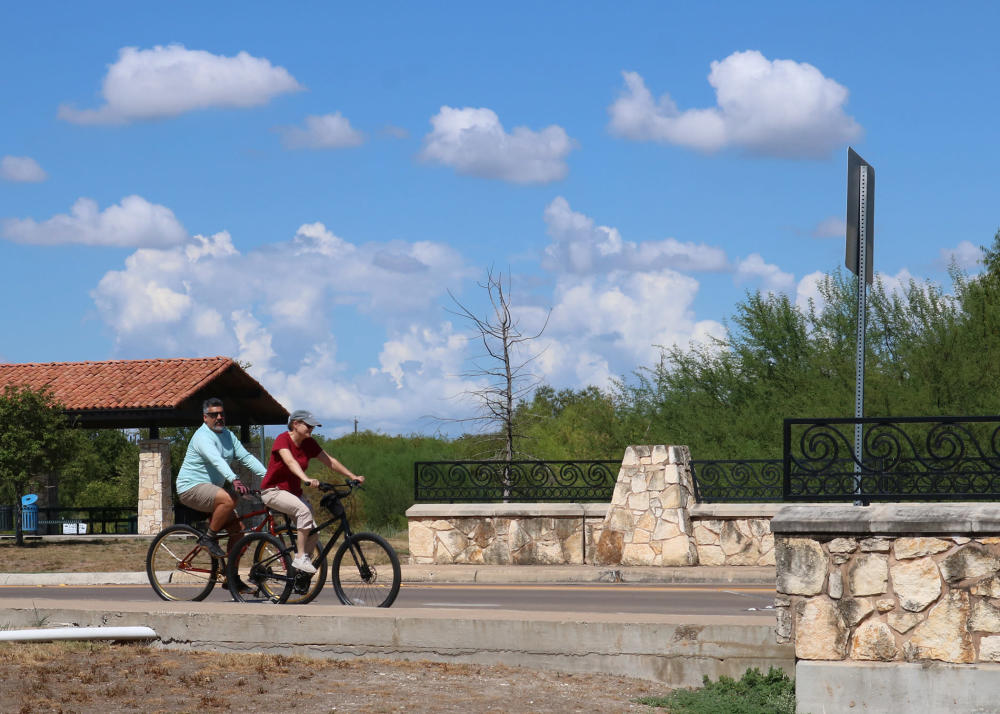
column 737, row 480
column 901, row 459
column 87, row 521
column 514, row 481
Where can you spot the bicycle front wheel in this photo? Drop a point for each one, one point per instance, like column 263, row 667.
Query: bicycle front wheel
column 259, row 569
column 306, row 587
column 178, row 568
column 366, row 571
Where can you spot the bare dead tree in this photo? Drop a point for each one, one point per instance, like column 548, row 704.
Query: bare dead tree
column 505, row 365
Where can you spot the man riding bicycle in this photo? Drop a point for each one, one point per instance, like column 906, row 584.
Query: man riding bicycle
column 207, row 482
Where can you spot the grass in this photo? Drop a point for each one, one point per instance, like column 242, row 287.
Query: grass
column 754, row 693
column 115, row 555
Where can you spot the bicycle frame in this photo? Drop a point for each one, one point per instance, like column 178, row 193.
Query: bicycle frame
column 268, row 522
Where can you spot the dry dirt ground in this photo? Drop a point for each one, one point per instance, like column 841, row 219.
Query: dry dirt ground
column 104, row 678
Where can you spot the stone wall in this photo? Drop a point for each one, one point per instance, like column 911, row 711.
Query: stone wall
column 652, row 520
column 156, row 507
column 890, row 583
column 504, row 533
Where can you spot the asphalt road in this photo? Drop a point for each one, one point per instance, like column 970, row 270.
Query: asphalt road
column 591, row 597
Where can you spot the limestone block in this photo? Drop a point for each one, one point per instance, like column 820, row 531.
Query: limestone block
column 820, row 632
column 874, row 641
column 641, row 536
column 525, row 555
column 906, row 548
column 902, row 621
column 672, row 497
column 987, row 588
column 707, row 532
column 842, row 545
column 572, row 549
column 657, row 481
column 944, row 635
column 453, row 541
column 876, row 545
column 800, row 566
column 985, row 617
column 498, row 553
column 665, row 529
column 646, row 522
column 639, row 502
column 783, row 626
column 854, row 610
column 483, row 533
column 679, row 551
column 738, row 547
column 518, row 536
column 969, row 561
column 639, row 483
column 620, row 519
column 835, row 587
column 768, row 557
column 991, row 540
column 609, row 548
column 548, row 553
column 440, row 525
column 637, row 554
column 885, row 605
column 473, row 555
column 916, row 583
column 660, row 455
column 961, row 540
column 421, row 539
column 631, row 457
column 989, row 649
column 711, row 555
column 868, row 574
column 760, row 528
column 671, row 475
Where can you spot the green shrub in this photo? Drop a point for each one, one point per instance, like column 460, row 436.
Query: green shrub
column 754, row 693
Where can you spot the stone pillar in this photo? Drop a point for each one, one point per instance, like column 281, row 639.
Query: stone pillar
column 648, row 522
column 156, row 507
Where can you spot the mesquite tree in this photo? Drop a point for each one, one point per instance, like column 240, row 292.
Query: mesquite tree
column 504, row 368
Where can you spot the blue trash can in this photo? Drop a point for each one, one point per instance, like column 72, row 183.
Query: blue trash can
column 29, row 513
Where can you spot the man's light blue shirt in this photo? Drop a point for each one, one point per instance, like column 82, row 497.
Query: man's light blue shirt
column 208, row 457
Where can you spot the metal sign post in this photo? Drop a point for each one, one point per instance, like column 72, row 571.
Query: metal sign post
column 858, row 258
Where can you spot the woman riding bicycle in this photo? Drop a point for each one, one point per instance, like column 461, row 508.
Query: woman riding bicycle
column 281, row 489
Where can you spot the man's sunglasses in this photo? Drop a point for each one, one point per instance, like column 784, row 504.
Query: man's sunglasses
column 216, row 415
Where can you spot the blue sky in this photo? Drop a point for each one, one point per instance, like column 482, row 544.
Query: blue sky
column 301, row 186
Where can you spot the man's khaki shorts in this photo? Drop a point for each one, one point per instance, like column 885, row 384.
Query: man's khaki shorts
column 202, row 497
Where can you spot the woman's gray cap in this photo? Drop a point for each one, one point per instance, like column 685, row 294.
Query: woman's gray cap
column 303, row 416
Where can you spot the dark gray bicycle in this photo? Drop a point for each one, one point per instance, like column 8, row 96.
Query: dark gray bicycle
column 365, row 568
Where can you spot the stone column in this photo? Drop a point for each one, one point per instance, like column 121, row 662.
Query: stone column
column 156, row 507
column 648, row 522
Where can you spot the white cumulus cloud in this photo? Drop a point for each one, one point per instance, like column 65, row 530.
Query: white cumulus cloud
column 965, row 255
column 474, row 142
column 771, row 277
column 329, row 131
column 171, row 80
column 580, row 246
column 133, row 222
column 777, row 108
column 21, row 169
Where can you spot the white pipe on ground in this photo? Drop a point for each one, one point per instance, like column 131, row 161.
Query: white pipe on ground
column 78, row 633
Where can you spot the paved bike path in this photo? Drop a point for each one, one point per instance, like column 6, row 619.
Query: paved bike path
column 492, row 574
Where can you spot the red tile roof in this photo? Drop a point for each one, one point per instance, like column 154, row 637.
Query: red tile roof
column 119, row 384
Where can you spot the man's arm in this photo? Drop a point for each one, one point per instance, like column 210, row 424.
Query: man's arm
column 247, row 459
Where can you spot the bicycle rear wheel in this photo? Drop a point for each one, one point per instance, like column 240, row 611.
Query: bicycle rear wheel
column 306, row 587
column 260, row 562
column 366, row 571
column 178, row 568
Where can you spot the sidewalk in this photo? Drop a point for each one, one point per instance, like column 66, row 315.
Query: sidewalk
column 493, row 574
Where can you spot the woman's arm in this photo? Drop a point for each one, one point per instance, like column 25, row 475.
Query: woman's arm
column 334, row 465
column 293, row 466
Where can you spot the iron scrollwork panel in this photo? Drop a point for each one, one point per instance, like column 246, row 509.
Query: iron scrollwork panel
column 900, row 459
column 486, row 481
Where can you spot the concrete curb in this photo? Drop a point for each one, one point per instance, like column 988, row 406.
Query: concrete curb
column 675, row 650
column 485, row 574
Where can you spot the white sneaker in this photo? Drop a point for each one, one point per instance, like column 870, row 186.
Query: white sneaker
column 304, row 564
